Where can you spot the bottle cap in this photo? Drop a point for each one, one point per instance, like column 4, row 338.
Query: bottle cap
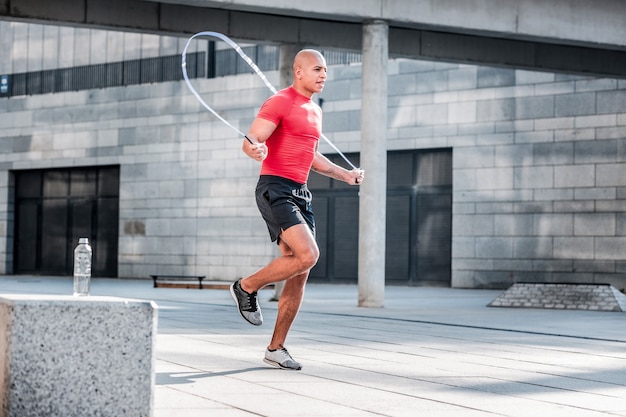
column 83, row 240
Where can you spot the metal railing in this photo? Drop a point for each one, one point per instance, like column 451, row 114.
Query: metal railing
column 151, row 70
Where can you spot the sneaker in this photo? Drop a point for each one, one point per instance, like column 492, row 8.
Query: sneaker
column 280, row 358
column 247, row 304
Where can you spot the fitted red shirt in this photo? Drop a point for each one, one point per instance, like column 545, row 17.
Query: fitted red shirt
column 291, row 147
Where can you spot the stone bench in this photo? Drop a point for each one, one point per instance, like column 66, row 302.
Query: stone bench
column 76, row 356
column 566, row 296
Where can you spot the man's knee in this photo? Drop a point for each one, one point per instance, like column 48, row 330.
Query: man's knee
column 304, row 249
column 310, row 257
column 306, row 257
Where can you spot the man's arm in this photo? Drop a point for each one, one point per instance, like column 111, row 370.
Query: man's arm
column 324, row 166
column 260, row 130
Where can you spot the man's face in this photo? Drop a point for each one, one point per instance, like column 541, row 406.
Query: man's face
column 313, row 73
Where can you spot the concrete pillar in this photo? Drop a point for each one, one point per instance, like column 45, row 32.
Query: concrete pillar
column 288, row 52
column 373, row 192
column 285, row 71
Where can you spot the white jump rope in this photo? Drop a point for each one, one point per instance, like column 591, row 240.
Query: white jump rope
column 256, row 69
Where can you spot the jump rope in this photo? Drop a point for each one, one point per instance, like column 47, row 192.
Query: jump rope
column 254, row 67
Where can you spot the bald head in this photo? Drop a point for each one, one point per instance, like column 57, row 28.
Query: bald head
column 309, row 72
column 308, row 57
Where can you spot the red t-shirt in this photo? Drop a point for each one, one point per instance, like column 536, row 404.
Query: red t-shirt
column 291, row 147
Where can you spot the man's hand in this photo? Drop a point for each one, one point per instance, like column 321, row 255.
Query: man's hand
column 256, row 150
column 356, row 177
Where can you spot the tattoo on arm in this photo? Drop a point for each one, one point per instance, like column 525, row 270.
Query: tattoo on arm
column 330, row 171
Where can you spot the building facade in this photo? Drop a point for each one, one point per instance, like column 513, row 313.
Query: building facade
column 495, row 175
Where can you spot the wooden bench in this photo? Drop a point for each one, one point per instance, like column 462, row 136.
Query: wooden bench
column 177, row 281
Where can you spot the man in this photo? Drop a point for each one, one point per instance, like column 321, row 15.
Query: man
column 284, row 138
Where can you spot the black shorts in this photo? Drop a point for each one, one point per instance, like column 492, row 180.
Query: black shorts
column 283, row 203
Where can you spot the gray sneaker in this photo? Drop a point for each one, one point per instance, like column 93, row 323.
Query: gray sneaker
column 247, row 304
column 280, row 358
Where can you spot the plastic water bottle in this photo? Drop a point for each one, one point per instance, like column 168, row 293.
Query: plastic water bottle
column 82, row 267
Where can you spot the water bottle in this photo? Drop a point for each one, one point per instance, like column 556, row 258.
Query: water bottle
column 82, row 267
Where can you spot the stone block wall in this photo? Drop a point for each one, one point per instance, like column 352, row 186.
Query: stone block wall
column 186, row 189
column 539, row 164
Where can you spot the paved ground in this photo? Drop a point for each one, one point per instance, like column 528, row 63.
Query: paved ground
column 430, row 352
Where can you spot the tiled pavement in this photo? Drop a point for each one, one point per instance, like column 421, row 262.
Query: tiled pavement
column 429, row 352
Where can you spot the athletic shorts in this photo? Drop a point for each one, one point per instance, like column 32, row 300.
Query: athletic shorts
column 283, row 203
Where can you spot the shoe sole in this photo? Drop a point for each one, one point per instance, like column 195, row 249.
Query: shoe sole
column 279, row 366
column 232, row 293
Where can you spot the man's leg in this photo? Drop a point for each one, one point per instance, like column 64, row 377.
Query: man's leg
column 299, row 253
column 288, row 307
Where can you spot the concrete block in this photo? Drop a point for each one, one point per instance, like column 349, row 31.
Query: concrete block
column 583, row 205
column 526, row 206
column 575, row 176
column 513, row 126
column 532, row 247
column 610, row 248
column 494, row 248
column 575, row 104
column 534, row 177
column 513, row 224
column 611, row 175
column 431, row 81
column 610, row 132
column 534, row 137
column 495, row 77
column 491, row 110
column 480, row 130
column 552, row 265
column 600, row 193
column 398, row 84
column 475, row 157
column 513, row 155
column 548, row 224
column 589, row 265
column 462, row 112
column 554, row 123
column 613, row 205
column 432, row 114
column 494, row 178
column 553, row 153
column 608, row 101
column 532, row 77
column 534, row 107
column 494, row 139
column 573, row 247
column 490, row 207
column 594, row 84
column 512, row 265
column 556, row 194
column 595, row 121
column 464, row 78
column 463, row 247
column 569, row 135
column 594, row 224
column 76, row 356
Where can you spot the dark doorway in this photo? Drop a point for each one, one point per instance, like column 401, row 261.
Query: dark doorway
column 54, row 207
column 419, row 221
